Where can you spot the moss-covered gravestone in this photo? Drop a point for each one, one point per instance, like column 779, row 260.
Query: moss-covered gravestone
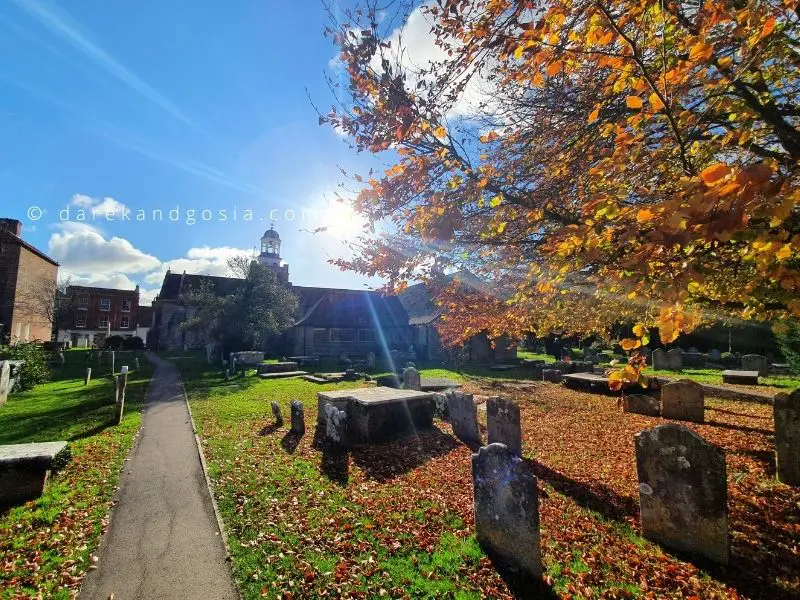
column 786, row 409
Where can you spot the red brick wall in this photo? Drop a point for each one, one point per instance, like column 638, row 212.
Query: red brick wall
column 31, row 270
column 93, row 310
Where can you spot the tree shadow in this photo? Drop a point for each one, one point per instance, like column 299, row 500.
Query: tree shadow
column 290, row 441
column 269, row 429
column 599, row 498
column 743, row 428
column 335, row 461
column 738, row 414
column 765, row 457
column 522, row 586
column 93, row 431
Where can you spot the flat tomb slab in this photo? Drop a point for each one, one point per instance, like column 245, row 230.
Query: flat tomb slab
column 24, row 470
column 503, row 367
column 315, row 379
column 585, row 380
column 740, row 377
column 282, row 375
column 434, row 384
column 374, row 395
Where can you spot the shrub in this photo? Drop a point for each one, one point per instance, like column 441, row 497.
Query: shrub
column 728, row 359
column 35, row 369
column 789, row 344
column 114, row 342
column 133, row 343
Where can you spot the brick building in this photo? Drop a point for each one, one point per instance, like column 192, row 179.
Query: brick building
column 88, row 315
column 28, row 280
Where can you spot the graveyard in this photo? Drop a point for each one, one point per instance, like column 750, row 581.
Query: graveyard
column 306, row 518
column 48, row 545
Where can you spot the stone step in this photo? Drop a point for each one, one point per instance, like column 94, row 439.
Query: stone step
column 282, row 375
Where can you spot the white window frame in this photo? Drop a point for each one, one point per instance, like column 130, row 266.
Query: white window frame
column 103, row 325
column 105, row 304
column 83, row 302
column 336, row 335
column 126, row 305
column 371, row 337
column 81, row 316
column 324, row 333
column 124, row 322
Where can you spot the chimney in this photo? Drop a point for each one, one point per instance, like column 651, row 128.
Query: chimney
column 11, row 225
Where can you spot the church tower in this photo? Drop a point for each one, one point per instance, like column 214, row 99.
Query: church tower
column 271, row 254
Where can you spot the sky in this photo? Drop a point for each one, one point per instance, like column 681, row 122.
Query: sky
column 172, row 106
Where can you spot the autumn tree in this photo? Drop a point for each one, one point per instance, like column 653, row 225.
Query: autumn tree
column 620, row 159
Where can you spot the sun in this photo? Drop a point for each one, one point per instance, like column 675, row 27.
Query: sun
column 342, row 221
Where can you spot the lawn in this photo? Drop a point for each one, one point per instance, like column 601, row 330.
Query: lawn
column 771, row 383
column 396, row 519
column 46, row 545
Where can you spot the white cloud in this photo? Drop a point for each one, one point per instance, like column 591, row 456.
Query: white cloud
column 203, row 260
column 82, row 249
column 97, row 206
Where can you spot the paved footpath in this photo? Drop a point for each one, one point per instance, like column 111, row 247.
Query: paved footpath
column 163, row 540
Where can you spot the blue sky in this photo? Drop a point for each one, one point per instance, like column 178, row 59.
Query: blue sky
column 174, row 106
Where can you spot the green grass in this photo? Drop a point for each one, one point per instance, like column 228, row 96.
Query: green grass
column 46, row 543
column 714, row 377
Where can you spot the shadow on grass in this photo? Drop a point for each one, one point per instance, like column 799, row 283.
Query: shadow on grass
column 522, row 586
column 738, row 414
column 743, row 428
column 290, row 441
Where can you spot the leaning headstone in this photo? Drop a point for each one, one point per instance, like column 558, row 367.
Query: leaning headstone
column 298, row 417
column 675, row 359
column 5, row 380
column 755, row 362
column 507, row 510
column 276, row 413
column 683, row 491
column 551, row 375
column 714, row 355
column 503, row 424
column 786, row 408
column 683, row 400
column 411, row 379
column 464, row 417
column 641, row 405
column 88, row 377
column 136, row 363
column 370, row 360
column 335, row 420
column 61, row 358
column 659, row 360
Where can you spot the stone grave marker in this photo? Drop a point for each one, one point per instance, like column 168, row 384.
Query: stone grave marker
column 464, row 417
column 507, row 509
column 786, row 408
column 441, row 409
column 675, row 359
column 120, row 383
column 276, row 413
column 551, row 375
column 298, row 417
column 755, row 362
column 503, row 424
column 335, row 421
column 370, row 360
column 411, row 379
column 5, row 381
column 683, row 491
column 683, row 400
column 88, row 377
column 659, row 360
column 714, row 355
column 136, row 363
column 641, row 404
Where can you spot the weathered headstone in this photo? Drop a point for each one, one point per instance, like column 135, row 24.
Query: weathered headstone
column 113, row 361
column 88, row 377
column 641, row 405
column 370, row 360
column 61, row 358
column 276, row 413
column 675, row 359
column 5, row 380
column 136, row 363
column 298, row 417
column 464, row 417
column 659, row 360
column 120, row 383
column 755, row 362
column 714, row 355
column 786, row 408
column 335, row 421
column 227, row 374
column 683, row 491
column 507, row 509
column 411, row 379
column 503, row 424
column 683, row 400
column 441, row 409
column 551, row 375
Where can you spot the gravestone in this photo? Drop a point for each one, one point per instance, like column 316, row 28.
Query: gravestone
column 675, row 359
column 683, row 400
column 5, row 381
column 298, row 417
column 683, row 491
column 551, row 375
column 411, row 379
column 88, row 377
column 464, row 417
column 61, row 358
column 227, row 374
column 714, row 355
column 507, row 509
column 276, row 413
column 755, row 362
column 590, row 354
column 659, row 360
column 370, row 360
column 440, row 406
column 641, row 404
column 120, row 383
column 503, row 424
column 786, row 408
column 136, row 363
column 335, row 421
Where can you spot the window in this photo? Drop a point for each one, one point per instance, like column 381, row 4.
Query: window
column 366, row 335
column 80, row 320
column 83, row 302
column 126, row 306
column 103, row 321
column 105, row 304
column 124, row 322
column 320, row 336
column 342, row 335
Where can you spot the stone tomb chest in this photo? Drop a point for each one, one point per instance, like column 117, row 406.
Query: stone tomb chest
column 379, row 414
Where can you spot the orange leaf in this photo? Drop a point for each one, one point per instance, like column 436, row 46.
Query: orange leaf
column 655, row 101
column 769, row 25
column 554, row 68
column 644, row 214
column 633, row 102
column 700, row 51
column 593, row 115
column 714, row 173
column 629, row 344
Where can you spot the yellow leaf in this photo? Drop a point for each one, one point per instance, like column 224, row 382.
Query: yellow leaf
column 693, row 287
column 655, row 101
column 784, row 253
column 440, row 132
column 633, row 102
column 518, row 52
column 629, row 344
column 644, row 214
column 700, row 51
column 593, row 115
column 714, row 173
column 639, row 330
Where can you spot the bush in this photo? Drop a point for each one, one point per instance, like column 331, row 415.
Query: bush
column 133, row 343
column 35, row 369
column 114, row 342
column 728, row 359
column 789, row 344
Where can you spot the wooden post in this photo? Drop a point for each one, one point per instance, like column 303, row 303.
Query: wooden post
column 120, row 382
column 88, row 376
column 113, row 360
